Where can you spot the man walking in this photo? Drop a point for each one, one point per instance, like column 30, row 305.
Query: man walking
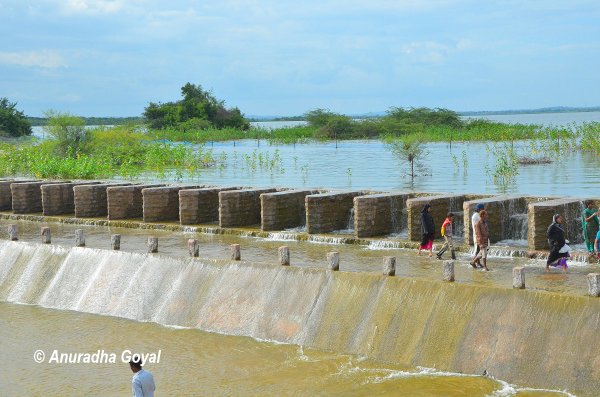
column 142, row 382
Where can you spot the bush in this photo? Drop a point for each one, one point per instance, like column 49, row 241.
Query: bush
column 12, row 121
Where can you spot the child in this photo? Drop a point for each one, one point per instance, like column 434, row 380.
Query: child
column 447, row 234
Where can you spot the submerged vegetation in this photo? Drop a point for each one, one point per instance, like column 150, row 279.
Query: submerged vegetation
column 176, row 142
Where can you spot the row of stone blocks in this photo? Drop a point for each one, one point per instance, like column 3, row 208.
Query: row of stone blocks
column 368, row 214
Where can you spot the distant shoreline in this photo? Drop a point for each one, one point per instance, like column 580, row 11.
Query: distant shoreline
column 41, row 121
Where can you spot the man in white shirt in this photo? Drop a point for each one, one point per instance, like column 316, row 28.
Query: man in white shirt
column 142, row 382
column 474, row 219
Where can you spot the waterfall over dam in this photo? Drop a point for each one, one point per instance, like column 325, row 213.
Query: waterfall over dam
column 528, row 337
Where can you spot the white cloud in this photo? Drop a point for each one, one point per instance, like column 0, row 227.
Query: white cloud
column 43, row 59
column 95, row 6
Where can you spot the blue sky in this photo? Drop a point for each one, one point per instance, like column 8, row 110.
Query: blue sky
column 277, row 57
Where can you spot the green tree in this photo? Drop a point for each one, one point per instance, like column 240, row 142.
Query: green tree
column 12, row 121
column 197, row 104
column 68, row 132
column 409, row 151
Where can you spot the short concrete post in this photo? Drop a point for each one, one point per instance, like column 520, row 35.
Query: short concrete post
column 284, row 256
column 594, row 284
column 115, row 242
column 79, row 238
column 449, row 271
column 389, row 265
column 236, row 252
column 333, row 260
column 13, row 235
column 46, row 238
column 152, row 245
column 193, row 247
column 519, row 277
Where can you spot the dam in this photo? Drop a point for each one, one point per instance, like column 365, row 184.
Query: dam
column 539, row 337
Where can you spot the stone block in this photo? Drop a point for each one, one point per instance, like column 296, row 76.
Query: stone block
column 380, row 214
column 326, row 212
column 507, row 217
column 283, row 210
column 198, row 206
column 240, row 207
column 6, row 195
column 162, row 203
column 59, row 199
column 440, row 206
column 27, row 196
column 539, row 217
column 126, row 202
column 91, row 201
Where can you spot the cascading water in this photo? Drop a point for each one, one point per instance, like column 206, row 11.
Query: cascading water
column 403, row 320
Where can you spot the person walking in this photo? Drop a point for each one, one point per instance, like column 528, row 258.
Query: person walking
column 474, row 219
column 428, row 229
column 590, row 225
column 482, row 237
column 447, row 234
column 142, row 383
column 559, row 250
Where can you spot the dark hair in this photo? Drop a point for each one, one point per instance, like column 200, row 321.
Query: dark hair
column 136, row 362
column 450, row 215
column 589, row 202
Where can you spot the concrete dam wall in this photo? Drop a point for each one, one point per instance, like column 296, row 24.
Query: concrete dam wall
column 526, row 337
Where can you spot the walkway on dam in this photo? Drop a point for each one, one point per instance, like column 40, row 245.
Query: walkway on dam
column 353, row 258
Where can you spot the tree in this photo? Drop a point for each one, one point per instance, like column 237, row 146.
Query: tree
column 12, row 121
column 197, row 104
column 68, row 131
column 410, row 151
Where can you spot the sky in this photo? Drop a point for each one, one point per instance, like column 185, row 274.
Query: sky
column 279, row 57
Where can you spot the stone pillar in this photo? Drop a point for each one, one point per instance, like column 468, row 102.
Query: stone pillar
column 126, row 202
column 79, row 238
column 449, row 271
column 389, row 265
column 504, row 215
column 440, row 206
column 197, row 206
column 91, row 200
column 594, row 284
column 540, row 215
column 193, row 247
column 115, row 242
column 284, row 256
column 519, row 277
column 236, row 252
column 27, row 196
column 152, row 245
column 240, row 207
column 162, row 203
column 46, row 237
column 13, row 234
column 283, row 210
column 333, row 260
column 380, row 214
column 59, row 199
column 327, row 212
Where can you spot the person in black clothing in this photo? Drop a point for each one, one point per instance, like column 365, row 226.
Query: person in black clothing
column 428, row 229
column 556, row 241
